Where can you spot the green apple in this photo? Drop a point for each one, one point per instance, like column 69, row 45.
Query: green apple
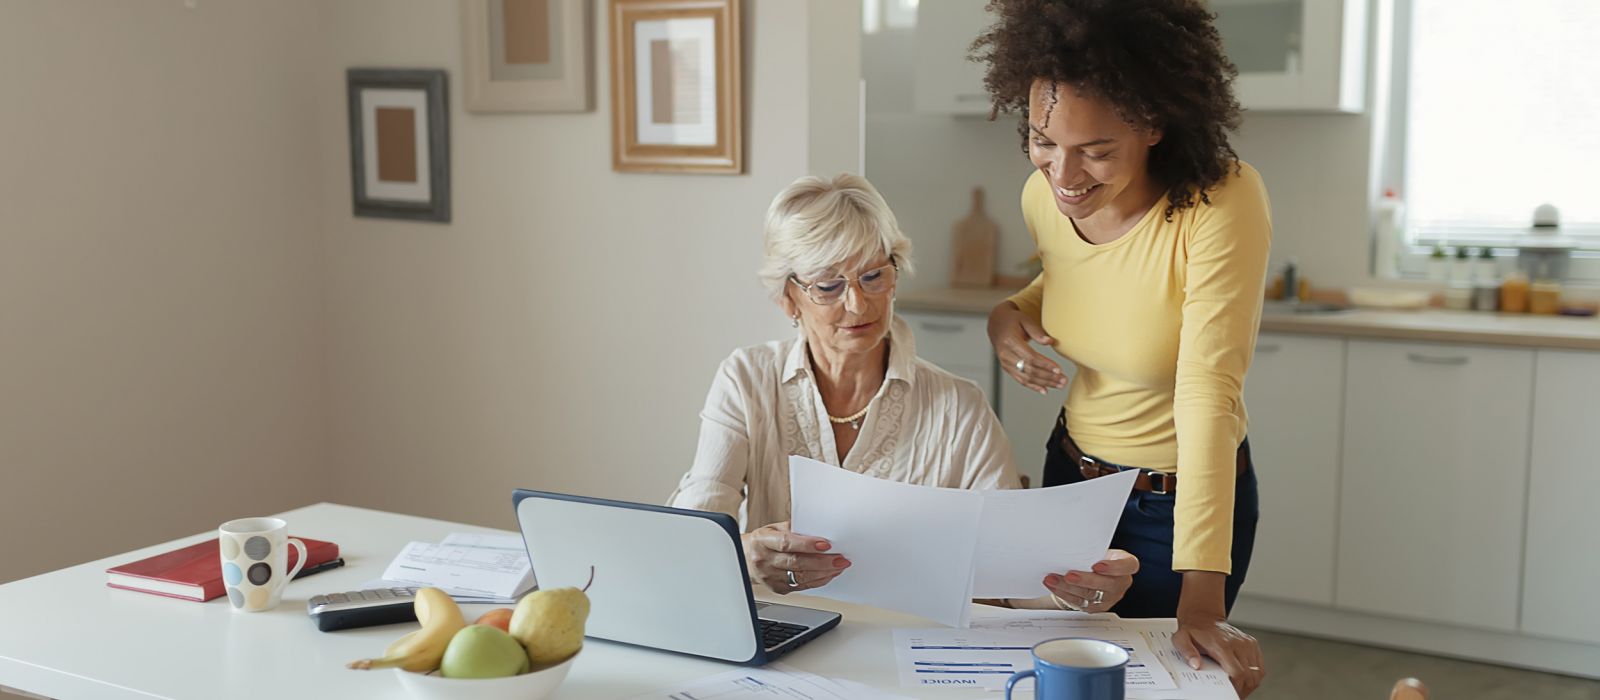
column 482, row 651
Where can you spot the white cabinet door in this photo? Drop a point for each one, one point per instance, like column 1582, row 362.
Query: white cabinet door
column 1434, row 477
column 1296, row 55
column 957, row 343
column 1563, row 548
column 944, row 81
column 1029, row 418
column 1293, row 395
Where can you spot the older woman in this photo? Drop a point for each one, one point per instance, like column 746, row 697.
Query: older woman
column 848, row 390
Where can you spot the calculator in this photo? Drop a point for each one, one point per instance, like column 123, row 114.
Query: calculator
column 368, row 608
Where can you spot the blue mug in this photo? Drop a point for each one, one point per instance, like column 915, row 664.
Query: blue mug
column 1075, row 668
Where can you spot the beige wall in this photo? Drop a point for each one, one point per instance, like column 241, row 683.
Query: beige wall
column 194, row 327
column 161, row 323
column 560, row 333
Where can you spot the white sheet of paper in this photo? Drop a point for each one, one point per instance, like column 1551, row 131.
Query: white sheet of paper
column 984, row 657
column 1028, row 533
column 773, row 682
column 493, row 567
column 1208, row 683
column 910, row 547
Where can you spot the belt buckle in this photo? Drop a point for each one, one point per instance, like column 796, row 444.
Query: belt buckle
column 1164, row 490
column 1088, row 466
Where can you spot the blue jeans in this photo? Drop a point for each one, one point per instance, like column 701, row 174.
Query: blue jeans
column 1146, row 531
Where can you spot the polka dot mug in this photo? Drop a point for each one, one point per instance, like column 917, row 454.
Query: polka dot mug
column 255, row 561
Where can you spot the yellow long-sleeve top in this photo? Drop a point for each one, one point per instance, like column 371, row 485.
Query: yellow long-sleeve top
column 1161, row 324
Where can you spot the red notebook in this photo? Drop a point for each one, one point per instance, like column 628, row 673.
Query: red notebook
column 195, row 572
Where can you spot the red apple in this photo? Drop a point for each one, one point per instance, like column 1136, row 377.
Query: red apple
column 498, row 617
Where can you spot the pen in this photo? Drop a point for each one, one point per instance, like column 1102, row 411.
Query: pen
column 324, row 566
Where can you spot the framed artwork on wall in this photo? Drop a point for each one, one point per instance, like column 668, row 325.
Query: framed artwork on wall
column 676, row 103
column 399, row 143
column 526, row 55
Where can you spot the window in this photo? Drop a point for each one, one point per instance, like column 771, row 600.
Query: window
column 1500, row 107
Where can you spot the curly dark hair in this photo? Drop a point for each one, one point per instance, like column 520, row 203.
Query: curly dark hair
column 1159, row 63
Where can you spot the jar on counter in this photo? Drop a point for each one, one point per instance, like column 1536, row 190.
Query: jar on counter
column 1544, row 297
column 1486, row 297
column 1458, row 298
column 1514, row 294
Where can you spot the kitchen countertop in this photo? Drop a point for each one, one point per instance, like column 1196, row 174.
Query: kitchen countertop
column 1439, row 325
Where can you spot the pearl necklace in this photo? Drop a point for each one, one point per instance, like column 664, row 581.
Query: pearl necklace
column 854, row 421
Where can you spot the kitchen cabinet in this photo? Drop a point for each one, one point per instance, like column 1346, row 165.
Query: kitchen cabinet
column 1293, row 396
column 1029, row 417
column 1435, row 452
column 1563, row 540
column 958, row 343
column 944, row 81
column 1292, row 55
column 1296, row 55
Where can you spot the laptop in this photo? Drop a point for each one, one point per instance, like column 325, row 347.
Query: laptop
column 664, row 578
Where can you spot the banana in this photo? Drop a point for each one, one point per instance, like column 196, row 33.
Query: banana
column 420, row 651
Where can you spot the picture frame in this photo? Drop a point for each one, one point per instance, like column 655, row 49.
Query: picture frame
column 399, row 143
column 526, row 55
column 676, row 71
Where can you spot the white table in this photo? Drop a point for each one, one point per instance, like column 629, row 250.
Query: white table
column 67, row 635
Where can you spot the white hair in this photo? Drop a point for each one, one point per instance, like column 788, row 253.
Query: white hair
column 816, row 224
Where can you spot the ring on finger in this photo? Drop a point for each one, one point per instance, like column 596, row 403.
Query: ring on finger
column 1021, row 365
column 793, row 583
column 1099, row 597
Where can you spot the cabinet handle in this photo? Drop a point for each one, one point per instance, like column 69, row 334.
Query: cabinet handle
column 1436, row 360
column 1268, row 348
column 941, row 327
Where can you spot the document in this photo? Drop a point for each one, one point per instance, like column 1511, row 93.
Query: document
column 985, row 657
column 1028, row 533
column 772, row 682
column 910, row 547
column 1208, row 683
column 928, row 551
column 470, row 567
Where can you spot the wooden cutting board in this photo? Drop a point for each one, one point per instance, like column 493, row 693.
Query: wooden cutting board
column 974, row 247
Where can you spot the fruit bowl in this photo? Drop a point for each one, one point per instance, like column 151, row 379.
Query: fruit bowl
column 534, row 685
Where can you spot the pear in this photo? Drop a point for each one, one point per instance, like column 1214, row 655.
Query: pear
column 549, row 623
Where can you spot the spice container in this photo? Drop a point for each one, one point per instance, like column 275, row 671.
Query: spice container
column 1458, row 298
column 1514, row 294
column 1544, row 297
column 1486, row 297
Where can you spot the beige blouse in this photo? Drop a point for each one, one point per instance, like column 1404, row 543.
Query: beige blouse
column 925, row 426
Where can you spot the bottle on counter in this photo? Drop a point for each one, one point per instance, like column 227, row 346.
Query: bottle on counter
column 1514, row 294
column 1390, row 232
column 1544, row 297
column 1291, row 281
column 1484, row 269
column 1438, row 265
column 1485, row 281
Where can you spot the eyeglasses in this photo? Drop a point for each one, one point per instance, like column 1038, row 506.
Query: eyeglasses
column 830, row 291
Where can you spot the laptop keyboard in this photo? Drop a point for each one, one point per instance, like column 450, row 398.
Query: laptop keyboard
column 774, row 633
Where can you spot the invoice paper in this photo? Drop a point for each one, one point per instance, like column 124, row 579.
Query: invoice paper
column 467, row 566
column 1208, row 683
column 910, row 547
column 984, row 657
column 773, row 682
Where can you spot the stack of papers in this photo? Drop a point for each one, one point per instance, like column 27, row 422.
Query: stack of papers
column 999, row 643
column 929, row 551
column 471, row 567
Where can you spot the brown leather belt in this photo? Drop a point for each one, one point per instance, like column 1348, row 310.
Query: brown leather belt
column 1150, row 480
